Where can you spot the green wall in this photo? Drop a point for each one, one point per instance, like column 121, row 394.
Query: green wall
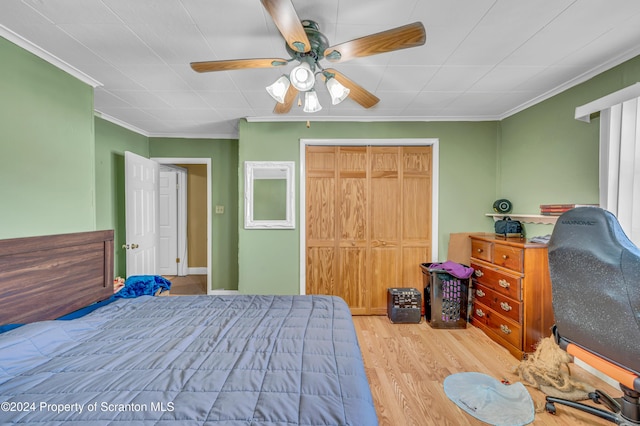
column 270, row 259
column 63, row 168
column 111, row 143
column 547, row 156
column 46, row 148
column 224, row 192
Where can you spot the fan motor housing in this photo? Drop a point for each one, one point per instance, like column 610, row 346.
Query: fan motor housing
column 319, row 43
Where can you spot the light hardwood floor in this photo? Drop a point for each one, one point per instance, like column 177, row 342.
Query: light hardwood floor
column 187, row 285
column 407, row 363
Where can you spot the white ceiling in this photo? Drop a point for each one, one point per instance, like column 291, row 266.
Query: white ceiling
column 483, row 59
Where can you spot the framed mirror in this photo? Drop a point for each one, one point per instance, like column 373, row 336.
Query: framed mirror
column 269, row 195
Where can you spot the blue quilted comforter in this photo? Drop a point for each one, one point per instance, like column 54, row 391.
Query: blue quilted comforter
column 190, row 360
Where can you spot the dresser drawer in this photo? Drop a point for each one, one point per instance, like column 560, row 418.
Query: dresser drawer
column 498, row 302
column 495, row 279
column 482, row 250
column 508, row 257
column 506, row 328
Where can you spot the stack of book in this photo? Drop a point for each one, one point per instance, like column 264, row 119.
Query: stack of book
column 558, row 209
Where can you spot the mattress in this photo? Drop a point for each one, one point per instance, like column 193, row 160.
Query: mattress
column 189, row 360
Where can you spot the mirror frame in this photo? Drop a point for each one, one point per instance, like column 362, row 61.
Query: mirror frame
column 250, row 168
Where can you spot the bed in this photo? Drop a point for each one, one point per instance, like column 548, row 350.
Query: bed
column 187, row 360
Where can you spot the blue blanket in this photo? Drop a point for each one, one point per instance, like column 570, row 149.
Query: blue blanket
column 191, row 360
column 143, row 285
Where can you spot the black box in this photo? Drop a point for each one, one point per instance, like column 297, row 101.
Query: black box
column 404, row 305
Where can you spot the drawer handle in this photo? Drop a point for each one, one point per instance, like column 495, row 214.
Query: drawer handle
column 479, row 313
column 480, row 293
column 505, row 306
column 478, row 273
column 505, row 257
column 479, row 250
column 503, row 283
column 505, row 329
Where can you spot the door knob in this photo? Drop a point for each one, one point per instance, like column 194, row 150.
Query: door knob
column 134, row 246
column 125, row 246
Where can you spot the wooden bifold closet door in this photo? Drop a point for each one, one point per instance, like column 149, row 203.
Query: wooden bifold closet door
column 368, row 216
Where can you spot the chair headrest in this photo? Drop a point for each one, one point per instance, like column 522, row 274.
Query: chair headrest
column 590, row 228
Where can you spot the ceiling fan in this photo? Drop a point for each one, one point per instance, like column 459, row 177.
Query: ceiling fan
column 307, row 45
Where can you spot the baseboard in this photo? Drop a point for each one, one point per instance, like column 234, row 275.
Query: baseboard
column 197, row 270
column 218, row 291
column 595, row 372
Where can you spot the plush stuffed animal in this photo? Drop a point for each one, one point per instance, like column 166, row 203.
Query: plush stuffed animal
column 118, row 283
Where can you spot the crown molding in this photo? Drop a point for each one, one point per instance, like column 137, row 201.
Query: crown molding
column 194, row 135
column 358, row 118
column 176, row 135
column 46, row 56
column 606, row 66
column 120, row 123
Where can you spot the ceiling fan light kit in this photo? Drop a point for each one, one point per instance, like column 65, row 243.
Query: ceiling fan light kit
column 337, row 91
column 279, row 88
column 311, row 103
column 302, row 77
column 308, row 46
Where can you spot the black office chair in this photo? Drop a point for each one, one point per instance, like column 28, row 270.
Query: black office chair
column 595, row 279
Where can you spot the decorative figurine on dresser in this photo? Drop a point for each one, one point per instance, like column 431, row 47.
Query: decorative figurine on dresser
column 511, row 291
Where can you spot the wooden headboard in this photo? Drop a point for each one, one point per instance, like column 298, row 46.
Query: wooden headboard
column 43, row 278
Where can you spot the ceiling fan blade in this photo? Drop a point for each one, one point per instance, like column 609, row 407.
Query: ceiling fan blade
column 289, row 98
column 357, row 92
column 286, row 19
column 238, row 64
column 411, row 35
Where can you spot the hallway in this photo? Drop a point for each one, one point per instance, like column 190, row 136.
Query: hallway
column 187, row 285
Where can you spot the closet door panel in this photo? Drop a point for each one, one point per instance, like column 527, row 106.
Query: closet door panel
column 411, row 272
column 352, row 286
column 320, row 271
column 321, row 263
column 384, row 274
column 416, row 209
column 321, row 213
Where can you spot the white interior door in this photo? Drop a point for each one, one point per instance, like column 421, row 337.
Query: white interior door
column 167, row 222
column 141, row 205
column 172, row 221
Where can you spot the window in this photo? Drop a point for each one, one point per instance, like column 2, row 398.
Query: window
column 619, row 155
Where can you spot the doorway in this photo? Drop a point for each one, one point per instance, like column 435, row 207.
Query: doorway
column 172, row 221
column 191, row 273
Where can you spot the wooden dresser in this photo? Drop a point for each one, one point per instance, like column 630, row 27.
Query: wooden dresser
column 511, row 291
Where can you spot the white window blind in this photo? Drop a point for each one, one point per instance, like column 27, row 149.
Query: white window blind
column 619, row 155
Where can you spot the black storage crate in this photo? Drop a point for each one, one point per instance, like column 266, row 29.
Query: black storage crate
column 404, row 305
column 445, row 298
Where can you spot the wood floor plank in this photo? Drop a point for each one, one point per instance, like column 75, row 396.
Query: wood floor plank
column 407, row 363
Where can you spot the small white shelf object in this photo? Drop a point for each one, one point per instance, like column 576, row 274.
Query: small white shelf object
column 526, row 218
